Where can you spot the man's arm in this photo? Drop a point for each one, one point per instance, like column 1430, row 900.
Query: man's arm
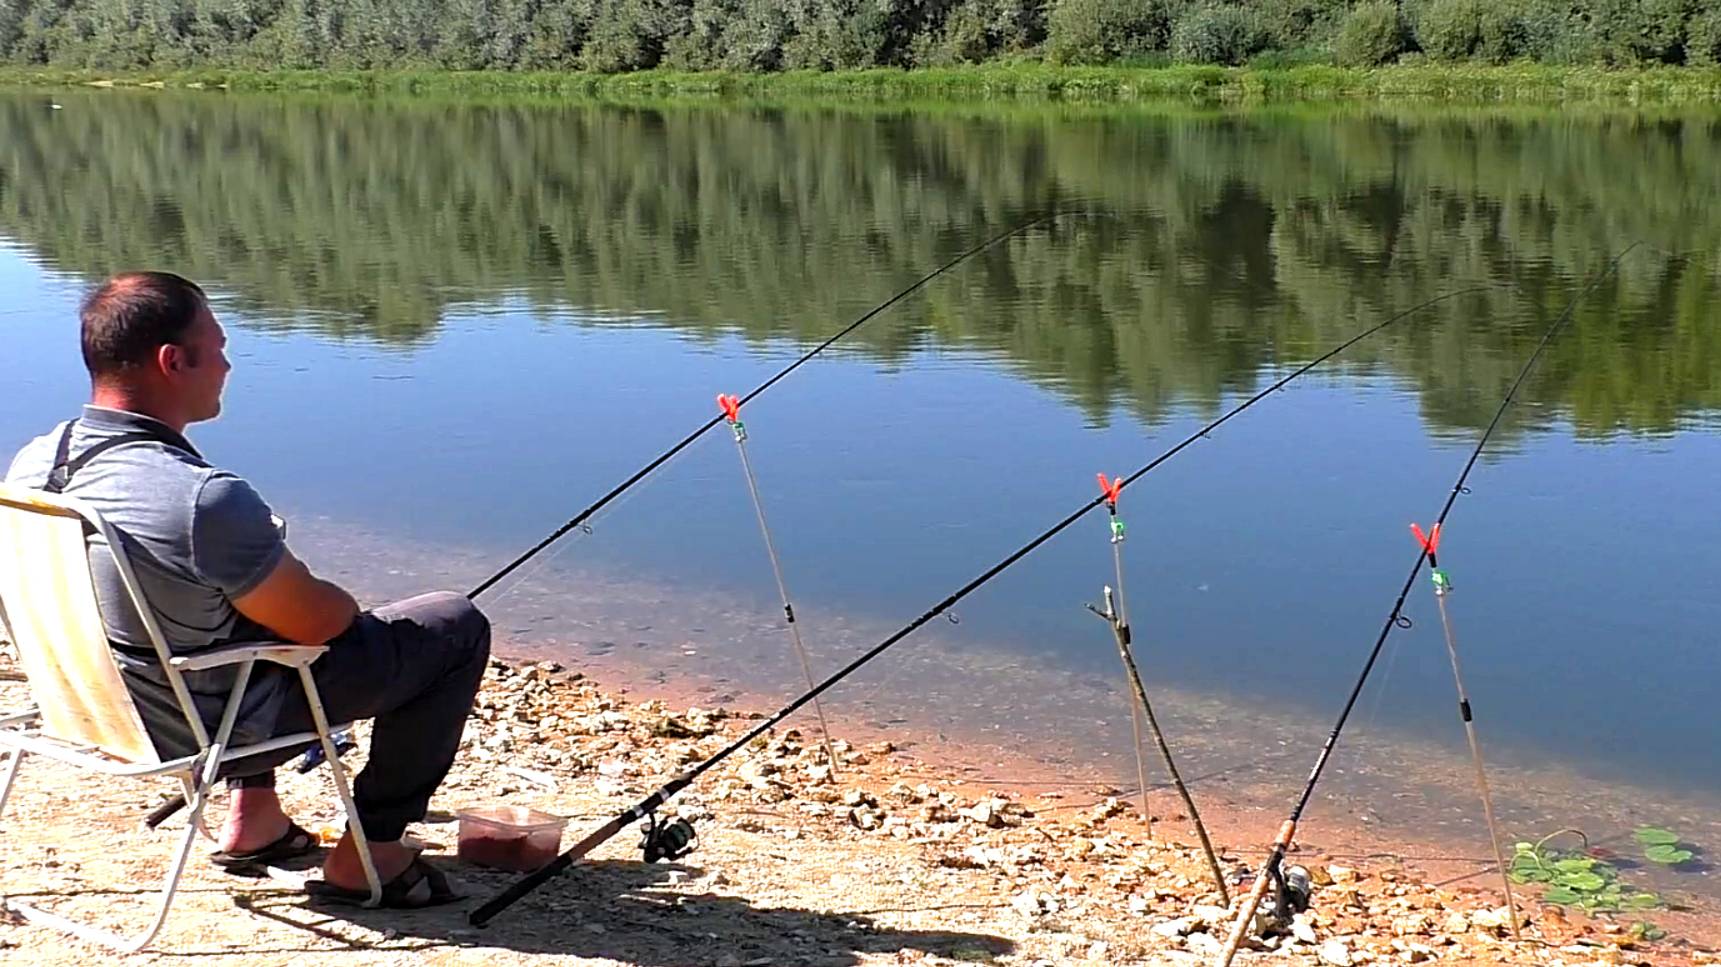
column 298, row 605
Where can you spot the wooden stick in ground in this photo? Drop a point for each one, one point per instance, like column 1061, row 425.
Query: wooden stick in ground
column 1123, row 649
column 1476, row 758
column 1114, row 619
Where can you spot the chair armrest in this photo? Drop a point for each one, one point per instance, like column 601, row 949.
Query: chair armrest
column 278, row 652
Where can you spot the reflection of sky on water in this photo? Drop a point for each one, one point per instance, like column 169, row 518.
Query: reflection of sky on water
column 1261, row 561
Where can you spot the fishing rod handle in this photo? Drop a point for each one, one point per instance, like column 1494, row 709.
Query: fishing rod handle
column 161, row 813
column 538, row 877
column 1252, row 902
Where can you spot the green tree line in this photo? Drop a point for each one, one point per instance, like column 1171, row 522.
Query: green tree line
column 772, row 35
column 1225, row 244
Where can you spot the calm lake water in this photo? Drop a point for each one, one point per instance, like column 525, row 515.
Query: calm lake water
column 455, row 325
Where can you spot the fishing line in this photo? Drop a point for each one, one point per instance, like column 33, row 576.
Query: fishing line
column 732, row 414
column 648, row 806
column 1270, row 873
column 1442, row 590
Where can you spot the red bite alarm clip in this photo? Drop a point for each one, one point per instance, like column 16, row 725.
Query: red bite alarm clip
column 1110, row 489
column 731, row 407
column 1430, row 542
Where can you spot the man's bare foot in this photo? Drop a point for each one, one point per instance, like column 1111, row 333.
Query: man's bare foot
column 254, row 820
column 343, row 869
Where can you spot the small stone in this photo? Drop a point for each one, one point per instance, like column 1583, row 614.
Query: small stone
column 1335, row 953
column 1456, row 923
column 1172, row 929
column 981, row 813
column 1204, row 944
column 1029, row 904
column 1210, row 915
column 1303, row 930
column 1496, row 919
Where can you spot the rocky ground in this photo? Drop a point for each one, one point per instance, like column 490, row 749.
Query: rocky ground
column 871, row 862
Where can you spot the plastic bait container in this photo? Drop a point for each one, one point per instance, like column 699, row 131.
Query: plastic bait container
column 509, row 837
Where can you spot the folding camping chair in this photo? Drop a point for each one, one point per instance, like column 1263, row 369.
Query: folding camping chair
column 84, row 716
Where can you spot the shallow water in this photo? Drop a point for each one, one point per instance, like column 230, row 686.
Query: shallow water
column 455, row 325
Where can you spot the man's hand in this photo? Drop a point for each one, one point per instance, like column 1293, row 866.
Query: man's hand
column 298, row 605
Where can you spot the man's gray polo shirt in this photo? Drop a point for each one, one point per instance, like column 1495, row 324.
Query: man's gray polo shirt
column 197, row 537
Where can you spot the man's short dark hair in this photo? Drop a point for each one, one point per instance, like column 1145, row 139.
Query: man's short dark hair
column 132, row 315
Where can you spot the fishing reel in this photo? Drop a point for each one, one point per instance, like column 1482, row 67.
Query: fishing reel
column 1291, row 891
column 669, row 840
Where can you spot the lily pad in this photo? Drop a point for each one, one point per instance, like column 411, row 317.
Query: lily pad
column 1652, row 836
column 1575, row 865
column 1642, row 901
column 1670, row 855
column 1562, row 895
column 1584, row 882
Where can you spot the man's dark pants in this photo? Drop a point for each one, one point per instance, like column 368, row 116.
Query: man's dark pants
column 414, row 666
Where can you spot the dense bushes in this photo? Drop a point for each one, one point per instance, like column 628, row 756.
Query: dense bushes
column 768, row 35
column 1218, row 34
column 1372, row 34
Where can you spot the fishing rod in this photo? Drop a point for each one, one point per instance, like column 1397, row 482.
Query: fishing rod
column 1270, row 874
column 670, row 840
column 707, row 426
column 177, row 802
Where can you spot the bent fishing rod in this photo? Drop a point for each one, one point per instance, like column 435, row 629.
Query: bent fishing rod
column 663, row 458
column 669, row 840
column 1270, row 874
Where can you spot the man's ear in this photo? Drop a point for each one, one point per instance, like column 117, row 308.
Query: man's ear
column 169, row 358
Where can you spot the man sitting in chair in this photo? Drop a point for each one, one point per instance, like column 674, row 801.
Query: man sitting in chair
column 215, row 569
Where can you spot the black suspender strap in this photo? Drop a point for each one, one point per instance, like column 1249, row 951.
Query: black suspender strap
column 61, row 475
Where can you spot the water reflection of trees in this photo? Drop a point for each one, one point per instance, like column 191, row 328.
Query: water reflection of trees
column 1232, row 242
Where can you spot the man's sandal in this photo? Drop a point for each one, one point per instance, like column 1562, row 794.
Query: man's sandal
column 418, row 886
column 294, row 843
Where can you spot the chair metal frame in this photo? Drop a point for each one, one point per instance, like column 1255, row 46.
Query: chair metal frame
column 30, row 733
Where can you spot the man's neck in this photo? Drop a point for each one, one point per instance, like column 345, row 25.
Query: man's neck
column 121, row 398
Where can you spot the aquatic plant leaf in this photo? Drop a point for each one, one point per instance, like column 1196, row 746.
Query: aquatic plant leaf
column 1670, row 855
column 1575, row 865
column 1530, row 875
column 1652, row 836
column 1642, row 901
column 1587, row 882
column 1644, row 930
column 1561, row 895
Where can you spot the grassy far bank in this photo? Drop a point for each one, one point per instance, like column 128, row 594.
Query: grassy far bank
column 1466, row 83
